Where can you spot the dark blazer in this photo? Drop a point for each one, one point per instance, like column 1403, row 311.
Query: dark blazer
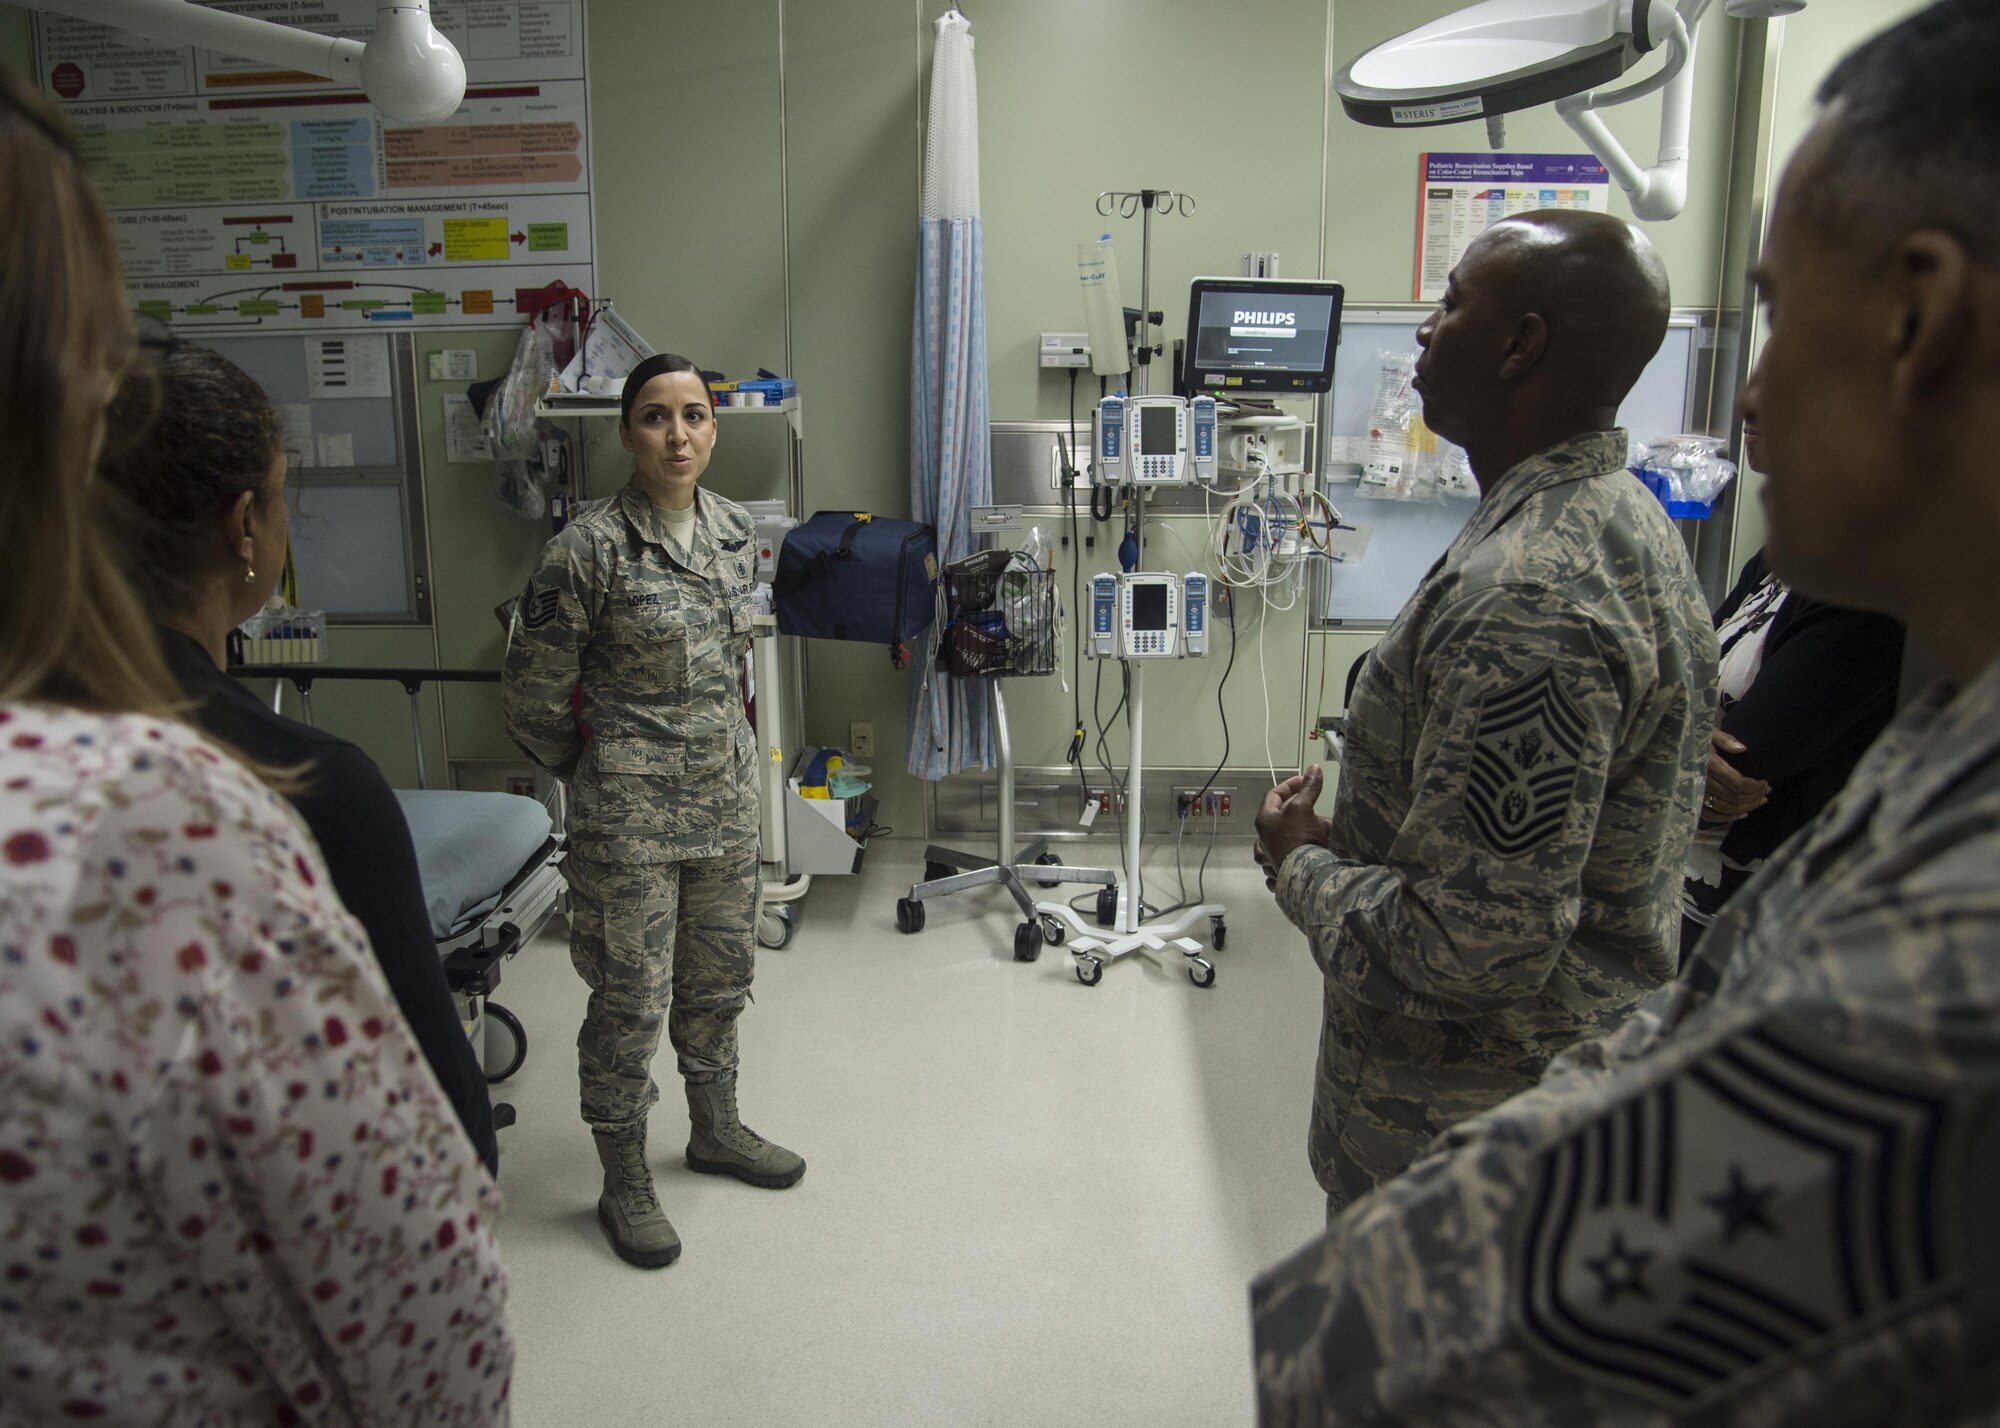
column 1826, row 688
column 347, row 805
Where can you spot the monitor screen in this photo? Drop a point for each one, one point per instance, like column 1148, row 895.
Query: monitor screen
column 1159, row 430
column 1149, row 605
column 1262, row 335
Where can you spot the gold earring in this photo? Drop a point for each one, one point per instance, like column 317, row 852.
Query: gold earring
column 249, row 574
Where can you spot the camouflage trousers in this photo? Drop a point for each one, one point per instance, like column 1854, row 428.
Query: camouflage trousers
column 659, row 942
column 1387, row 1086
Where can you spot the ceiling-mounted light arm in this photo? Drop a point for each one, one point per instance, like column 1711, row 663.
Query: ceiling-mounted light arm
column 1658, row 192
column 1496, row 57
column 407, row 69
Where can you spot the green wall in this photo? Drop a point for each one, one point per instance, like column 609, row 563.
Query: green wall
column 757, row 173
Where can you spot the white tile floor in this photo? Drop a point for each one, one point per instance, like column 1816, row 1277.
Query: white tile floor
column 1028, row 1202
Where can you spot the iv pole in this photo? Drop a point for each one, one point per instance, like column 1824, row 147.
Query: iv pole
column 1131, row 932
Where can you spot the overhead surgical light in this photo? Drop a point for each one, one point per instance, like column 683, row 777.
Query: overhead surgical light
column 407, row 69
column 1499, row 56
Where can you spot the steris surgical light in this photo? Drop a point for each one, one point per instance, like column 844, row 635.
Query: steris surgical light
column 1493, row 58
column 407, row 69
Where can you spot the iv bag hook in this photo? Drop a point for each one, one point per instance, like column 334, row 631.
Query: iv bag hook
column 1144, row 203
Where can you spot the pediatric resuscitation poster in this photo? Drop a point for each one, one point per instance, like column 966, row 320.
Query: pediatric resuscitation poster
column 1460, row 196
column 247, row 197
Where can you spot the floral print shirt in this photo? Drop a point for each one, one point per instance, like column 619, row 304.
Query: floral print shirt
column 231, row 1192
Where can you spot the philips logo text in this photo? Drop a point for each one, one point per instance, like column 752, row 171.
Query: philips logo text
column 1269, row 319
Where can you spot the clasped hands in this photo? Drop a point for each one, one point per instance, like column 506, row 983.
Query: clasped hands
column 1729, row 794
column 1286, row 820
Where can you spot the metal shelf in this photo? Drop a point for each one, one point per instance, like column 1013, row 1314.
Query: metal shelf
column 561, row 409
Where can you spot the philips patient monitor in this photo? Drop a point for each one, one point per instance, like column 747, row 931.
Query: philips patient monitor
column 1262, row 335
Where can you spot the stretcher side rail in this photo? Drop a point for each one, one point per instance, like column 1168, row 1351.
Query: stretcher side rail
column 304, row 676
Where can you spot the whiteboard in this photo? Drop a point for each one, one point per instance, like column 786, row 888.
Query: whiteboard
column 279, row 366
column 349, row 543
column 1406, row 538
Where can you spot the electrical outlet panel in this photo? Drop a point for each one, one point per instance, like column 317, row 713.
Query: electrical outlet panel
column 1196, row 802
column 1108, row 801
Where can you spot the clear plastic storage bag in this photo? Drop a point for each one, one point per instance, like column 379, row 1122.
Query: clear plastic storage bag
column 1687, row 472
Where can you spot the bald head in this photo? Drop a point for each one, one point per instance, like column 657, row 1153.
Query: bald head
column 1599, row 285
column 1547, row 321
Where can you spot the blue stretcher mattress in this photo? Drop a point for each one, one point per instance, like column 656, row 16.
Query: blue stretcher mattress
column 469, row 847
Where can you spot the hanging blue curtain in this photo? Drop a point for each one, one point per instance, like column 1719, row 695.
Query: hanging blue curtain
column 950, row 453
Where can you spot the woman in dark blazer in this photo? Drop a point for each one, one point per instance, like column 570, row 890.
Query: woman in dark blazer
column 1806, row 687
column 196, row 450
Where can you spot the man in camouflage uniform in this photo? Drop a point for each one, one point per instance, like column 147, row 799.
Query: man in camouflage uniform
column 1525, row 747
column 644, row 601
column 1767, row 1198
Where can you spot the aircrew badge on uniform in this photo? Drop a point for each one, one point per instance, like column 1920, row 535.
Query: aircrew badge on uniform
column 540, row 607
column 1525, row 750
column 1769, row 1201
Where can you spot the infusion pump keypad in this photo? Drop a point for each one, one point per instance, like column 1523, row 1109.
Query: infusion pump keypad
column 1157, row 468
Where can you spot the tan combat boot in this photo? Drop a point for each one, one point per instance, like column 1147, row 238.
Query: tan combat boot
column 629, row 1209
column 720, row 1144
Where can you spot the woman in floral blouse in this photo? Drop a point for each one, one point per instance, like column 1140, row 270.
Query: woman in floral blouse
column 231, row 1191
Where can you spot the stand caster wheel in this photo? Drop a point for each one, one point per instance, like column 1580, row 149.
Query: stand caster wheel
column 1027, row 942
column 909, row 915
column 1201, row 971
column 934, row 871
column 506, row 1043
column 1218, row 933
column 1107, row 906
column 1089, row 970
column 1053, row 931
column 1049, row 860
column 775, row 923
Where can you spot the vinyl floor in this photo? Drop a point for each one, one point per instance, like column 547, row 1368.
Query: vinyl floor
column 1027, row 1202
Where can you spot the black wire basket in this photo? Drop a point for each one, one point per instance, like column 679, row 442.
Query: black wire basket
column 1001, row 617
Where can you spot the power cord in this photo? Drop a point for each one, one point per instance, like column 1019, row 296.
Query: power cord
column 1074, row 756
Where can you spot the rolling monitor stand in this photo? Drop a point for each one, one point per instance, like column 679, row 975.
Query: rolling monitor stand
column 1170, row 624
column 949, row 870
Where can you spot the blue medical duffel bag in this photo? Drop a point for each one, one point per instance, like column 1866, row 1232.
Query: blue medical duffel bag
column 847, row 575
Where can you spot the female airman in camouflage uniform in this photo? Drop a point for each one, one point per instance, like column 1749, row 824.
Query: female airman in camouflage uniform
column 642, row 605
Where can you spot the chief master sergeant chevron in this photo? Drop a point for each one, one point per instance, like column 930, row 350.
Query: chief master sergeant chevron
column 644, row 602
column 1525, row 747
column 1768, row 1198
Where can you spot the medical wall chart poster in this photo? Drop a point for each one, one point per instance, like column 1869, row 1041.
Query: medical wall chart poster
column 1460, row 196
column 251, row 198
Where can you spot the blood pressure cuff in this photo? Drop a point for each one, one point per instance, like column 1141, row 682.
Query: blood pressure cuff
column 976, row 644
column 846, row 575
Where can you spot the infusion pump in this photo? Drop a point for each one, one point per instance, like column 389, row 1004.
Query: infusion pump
column 1148, row 615
column 1154, row 441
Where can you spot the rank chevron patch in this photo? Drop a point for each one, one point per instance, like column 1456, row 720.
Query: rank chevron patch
column 1770, row 1200
column 540, row 607
column 1525, row 751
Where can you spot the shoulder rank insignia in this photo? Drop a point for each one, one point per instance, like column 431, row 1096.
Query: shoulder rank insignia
column 539, row 607
column 1524, row 761
column 1766, row 1203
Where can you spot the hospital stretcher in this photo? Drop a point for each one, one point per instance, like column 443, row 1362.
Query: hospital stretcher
column 489, row 862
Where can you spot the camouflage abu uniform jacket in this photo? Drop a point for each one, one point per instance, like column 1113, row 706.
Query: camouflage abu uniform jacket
column 1767, row 1198
column 670, row 771
column 1525, row 751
